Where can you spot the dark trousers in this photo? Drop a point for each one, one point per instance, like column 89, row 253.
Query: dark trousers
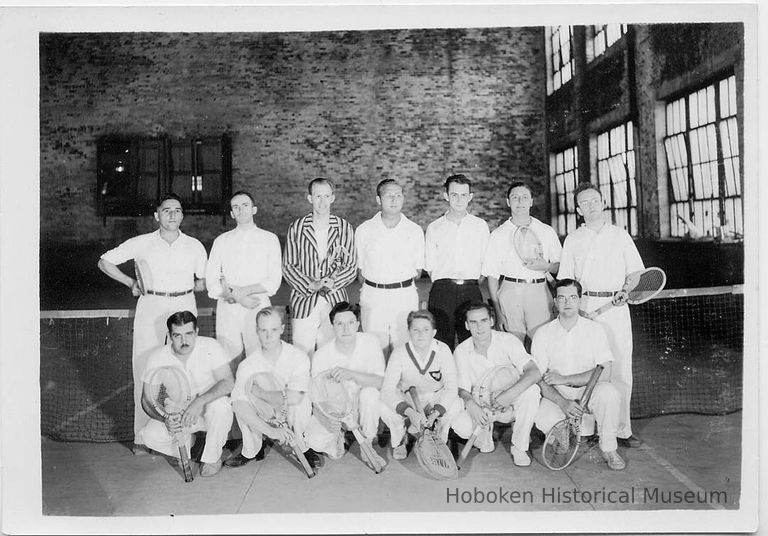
column 448, row 302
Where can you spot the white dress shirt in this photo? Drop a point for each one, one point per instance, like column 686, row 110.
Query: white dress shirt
column 389, row 255
column 456, row 251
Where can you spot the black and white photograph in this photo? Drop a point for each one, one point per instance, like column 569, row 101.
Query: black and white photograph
column 380, row 269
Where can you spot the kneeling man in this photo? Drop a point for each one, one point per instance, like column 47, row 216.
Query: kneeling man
column 569, row 348
column 477, row 356
column 206, row 367
column 427, row 364
column 290, row 366
column 356, row 360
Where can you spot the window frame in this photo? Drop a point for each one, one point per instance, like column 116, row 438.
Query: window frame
column 620, row 164
column 555, row 77
column 564, row 221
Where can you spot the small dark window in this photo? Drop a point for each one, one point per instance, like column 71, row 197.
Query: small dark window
column 133, row 172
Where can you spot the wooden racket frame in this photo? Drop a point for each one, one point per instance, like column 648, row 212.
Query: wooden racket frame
column 177, row 439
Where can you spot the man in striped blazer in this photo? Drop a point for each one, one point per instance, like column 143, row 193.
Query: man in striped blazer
column 319, row 262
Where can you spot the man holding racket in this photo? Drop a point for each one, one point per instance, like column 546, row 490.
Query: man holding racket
column 390, row 254
column 427, row 364
column 568, row 349
column 484, row 354
column 290, row 366
column 521, row 254
column 356, row 360
column 206, row 368
column 319, row 262
column 173, row 269
column 454, row 250
column 243, row 271
column 600, row 256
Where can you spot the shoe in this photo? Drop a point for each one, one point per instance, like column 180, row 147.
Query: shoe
column 140, row 450
column 211, row 469
column 240, row 460
column 631, row 442
column 400, row 452
column 339, row 448
column 614, row 460
column 520, row 457
column 315, row 459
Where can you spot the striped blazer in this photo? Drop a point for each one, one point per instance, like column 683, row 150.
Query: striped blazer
column 301, row 264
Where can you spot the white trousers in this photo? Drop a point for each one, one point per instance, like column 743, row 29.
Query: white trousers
column 298, row 419
column 604, row 405
column 216, row 422
column 453, row 407
column 320, row 439
column 523, row 412
column 313, row 331
column 149, row 332
column 618, row 327
column 384, row 313
column 236, row 327
column 525, row 306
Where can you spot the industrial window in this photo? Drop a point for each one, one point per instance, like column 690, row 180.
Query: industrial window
column 603, row 36
column 564, row 171
column 616, row 175
column 560, row 63
column 134, row 172
column 702, row 148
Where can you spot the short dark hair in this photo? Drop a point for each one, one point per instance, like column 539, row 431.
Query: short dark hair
column 319, row 180
column 344, row 307
column 459, row 178
column 180, row 318
column 269, row 311
column 242, row 192
column 519, row 184
column 583, row 187
column 421, row 313
column 476, row 306
column 568, row 283
column 169, row 196
column 385, row 182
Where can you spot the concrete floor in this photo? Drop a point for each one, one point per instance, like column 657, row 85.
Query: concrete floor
column 682, row 453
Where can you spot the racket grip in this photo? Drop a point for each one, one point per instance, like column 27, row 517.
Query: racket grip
column 593, row 379
column 468, row 447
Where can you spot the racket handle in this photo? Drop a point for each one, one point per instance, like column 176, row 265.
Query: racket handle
column 591, row 385
column 468, row 446
column 298, row 446
column 364, row 450
column 186, row 468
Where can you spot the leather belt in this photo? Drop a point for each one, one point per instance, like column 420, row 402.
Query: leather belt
column 600, row 293
column 169, row 294
column 518, row 280
column 401, row 284
column 459, row 281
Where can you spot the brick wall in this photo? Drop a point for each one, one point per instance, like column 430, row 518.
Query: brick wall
column 415, row 105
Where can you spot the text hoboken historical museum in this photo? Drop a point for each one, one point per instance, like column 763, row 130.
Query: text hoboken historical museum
column 560, row 495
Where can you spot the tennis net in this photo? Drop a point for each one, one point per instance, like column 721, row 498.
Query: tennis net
column 688, row 348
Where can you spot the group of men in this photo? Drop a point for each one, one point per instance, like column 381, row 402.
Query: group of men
column 442, row 350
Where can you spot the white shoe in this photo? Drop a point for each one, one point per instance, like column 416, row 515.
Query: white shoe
column 520, row 457
column 487, row 446
column 336, row 451
column 400, row 452
column 615, row 461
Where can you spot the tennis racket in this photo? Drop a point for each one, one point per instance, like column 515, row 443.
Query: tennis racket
column 170, row 395
column 563, row 440
column 264, row 390
column 432, row 453
column 638, row 288
column 527, row 245
column 336, row 402
column 492, row 383
column 141, row 271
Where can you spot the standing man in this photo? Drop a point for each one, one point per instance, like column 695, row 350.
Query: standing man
column 355, row 360
column 484, row 350
column 206, row 367
column 244, row 270
column 390, row 253
column 568, row 349
column 318, row 263
column 518, row 287
column 600, row 255
column 173, row 267
column 455, row 247
column 291, row 368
